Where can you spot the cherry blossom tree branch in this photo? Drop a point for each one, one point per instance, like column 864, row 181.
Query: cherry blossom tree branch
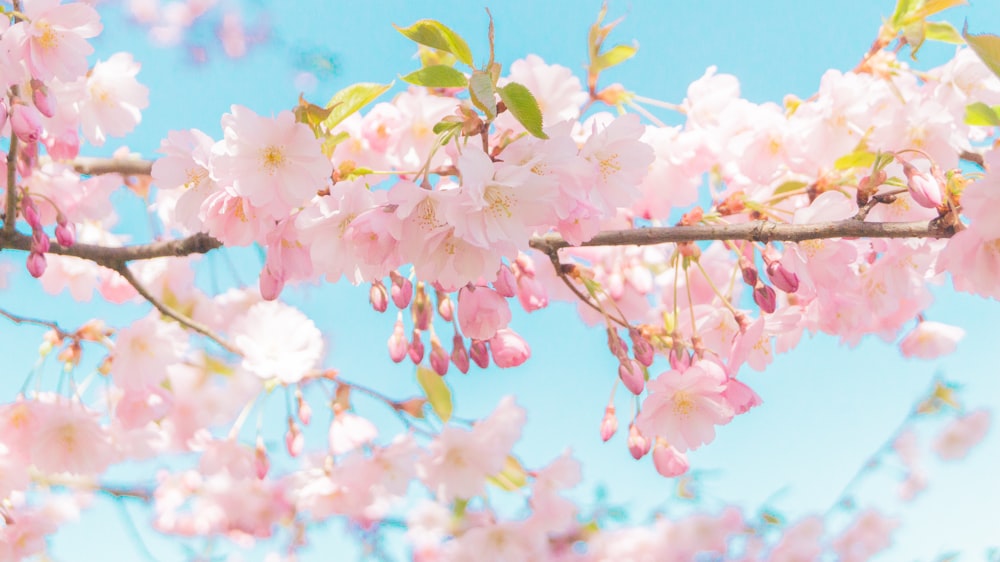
column 169, row 312
column 755, row 231
column 36, row 322
column 124, row 166
column 10, row 210
column 112, row 256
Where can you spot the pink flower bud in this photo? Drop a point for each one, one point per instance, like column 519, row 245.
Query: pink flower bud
column 445, row 308
column 765, row 298
column 609, row 424
column 64, row 146
column 616, row 346
column 749, row 271
column 402, row 290
column 27, row 159
column 261, row 463
column 270, row 284
column 459, row 356
column 416, row 348
column 423, row 313
column 479, row 353
column 439, row 358
column 66, row 234
column 39, row 241
column 398, row 345
column 505, row 284
column 924, row 189
column 638, row 445
column 30, row 212
column 41, row 98
column 26, row 122
column 378, row 297
column 305, row 411
column 783, row 279
column 641, row 348
column 294, row 441
column 630, row 371
column 509, row 349
column 669, row 462
column 36, row 264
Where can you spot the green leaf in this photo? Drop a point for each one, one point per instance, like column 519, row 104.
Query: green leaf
column 942, row 31
column 446, row 125
column 512, row 477
column 930, row 7
column 981, row 115
column 311, row 115
column 615, row 56
column 483, row 93
column 437, row 76
column 524, row 107
column 903, row 8
column 914, row 35
column 987, row 46
column 435, row 34
column 789, row 186
column 330, row 142
column 352, row 98
column 858, row 159
column 437, row 392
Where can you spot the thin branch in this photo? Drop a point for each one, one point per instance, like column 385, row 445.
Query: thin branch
column 34, row 321
column 185, row 321
column 755, row 231
column 111, row 256
column 10, row 211
column 123, row 166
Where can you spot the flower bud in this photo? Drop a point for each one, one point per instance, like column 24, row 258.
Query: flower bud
column 39, row 241
column 765, row 298
column 270, row 284
column 378, row 297
column 416, row 348
column 669, row 462
column 783, row 279
column 41, row 98
column 64, row 146
column 638, row 445
column 402, row 290
column 641, row 348
column 479, row 353
column 26, row 123
column 609, row 424
column 397, row 341
column 749, row 271
column 305, row 411
column 439, row 358
column 630, row 372
column 260, row 461
column 924, row 189
column 509, row 349
column 445, row 308
column 294, row 441
column 66, row 234
column 459, row 356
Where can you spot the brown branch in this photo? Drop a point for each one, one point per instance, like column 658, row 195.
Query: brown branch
column 756, row 231
column 123, row 166
column 110, row 256
column 169, row 312
column 36, row 322
column 10, row 211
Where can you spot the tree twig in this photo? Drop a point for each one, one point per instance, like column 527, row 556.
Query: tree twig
column 37, row 322
column 10, row 211
column 111, row 256
column 166, row 310
column 755, row 231
column 123, row 166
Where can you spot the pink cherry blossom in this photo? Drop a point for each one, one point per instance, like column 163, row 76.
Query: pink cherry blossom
column 929, row 340
column 278, row 342
column 481, row 312
column 114, row 99
column 962, row 434
column 144, row 350
column 669, row 462
column 53, row 38
column 349, row 431
column 276, row 163
column 684, row 407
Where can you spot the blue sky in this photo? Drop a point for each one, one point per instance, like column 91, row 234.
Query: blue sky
column 826, row 407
